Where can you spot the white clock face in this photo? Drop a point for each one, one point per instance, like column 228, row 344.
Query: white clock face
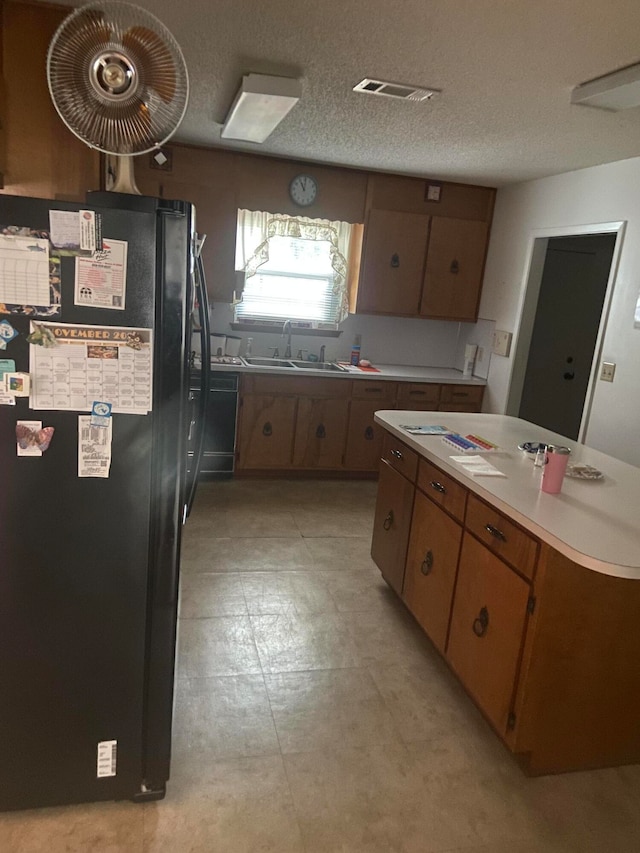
column 303, row 190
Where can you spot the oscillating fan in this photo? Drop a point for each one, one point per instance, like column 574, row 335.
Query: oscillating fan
column 118, row 80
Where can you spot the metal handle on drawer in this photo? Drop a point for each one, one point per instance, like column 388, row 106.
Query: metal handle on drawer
column 397, row 454
column 427, row 563
column 321, row 432
column 495, row 532
column 388, row 521
column 459, row 393
column 368, row 433
column 438, row 487
column 267, row 429
column 373, row 390
column 481, row 622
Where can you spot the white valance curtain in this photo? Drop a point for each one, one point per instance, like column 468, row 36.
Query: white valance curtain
column 256, row 227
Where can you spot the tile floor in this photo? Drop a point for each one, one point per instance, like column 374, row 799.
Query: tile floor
column 313, row 717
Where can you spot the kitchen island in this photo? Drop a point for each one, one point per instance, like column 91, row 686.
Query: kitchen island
column 533, row 599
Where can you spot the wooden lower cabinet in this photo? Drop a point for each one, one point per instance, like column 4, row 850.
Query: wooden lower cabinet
column 487, row 628
column 391, row 525
column 321, row 433
column 430, row 573
column 364, row 437
column 267, row 427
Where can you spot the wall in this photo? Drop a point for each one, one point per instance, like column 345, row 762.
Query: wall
column 591, row 196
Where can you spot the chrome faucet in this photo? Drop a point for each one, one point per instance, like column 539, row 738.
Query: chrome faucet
column 287, row 328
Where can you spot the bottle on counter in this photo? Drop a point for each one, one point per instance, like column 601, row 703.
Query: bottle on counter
column 247, row 351
column 355, row 351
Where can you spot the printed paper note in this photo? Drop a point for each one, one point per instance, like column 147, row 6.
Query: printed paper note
column 101, row 279
column 94, row 448
column 24, row 270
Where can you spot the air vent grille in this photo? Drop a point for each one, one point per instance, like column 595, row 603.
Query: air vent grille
column 395, row 90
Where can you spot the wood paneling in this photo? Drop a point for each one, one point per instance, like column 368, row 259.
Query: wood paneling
column 43, row 158
column 462, row 201
column 430, row 573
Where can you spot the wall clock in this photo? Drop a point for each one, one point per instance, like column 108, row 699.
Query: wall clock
column 303, row 190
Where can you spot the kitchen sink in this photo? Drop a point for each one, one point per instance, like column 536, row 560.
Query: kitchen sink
column 294, row 365
column 319, row 365
column 268, row 362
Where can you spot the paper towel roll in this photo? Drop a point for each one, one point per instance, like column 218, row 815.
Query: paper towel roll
column 469, row 358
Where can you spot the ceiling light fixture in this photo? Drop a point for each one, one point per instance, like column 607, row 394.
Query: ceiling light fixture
column 259, row 107
column 619, row 90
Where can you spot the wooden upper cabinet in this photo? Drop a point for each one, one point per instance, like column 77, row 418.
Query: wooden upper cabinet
column 393, row 263
column 454, row 269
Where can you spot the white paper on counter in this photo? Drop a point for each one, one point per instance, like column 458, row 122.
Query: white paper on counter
column 24, row 270
column 89, row 363
column 94, row 448
column 477, row 466
column 101, row 279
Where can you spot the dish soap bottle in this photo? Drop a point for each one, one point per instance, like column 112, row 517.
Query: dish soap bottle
column 355, row 351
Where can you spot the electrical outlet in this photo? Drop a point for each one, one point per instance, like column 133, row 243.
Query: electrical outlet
column 607, row 371
column 501, row 343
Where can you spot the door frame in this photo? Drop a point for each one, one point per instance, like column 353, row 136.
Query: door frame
column 533, row 270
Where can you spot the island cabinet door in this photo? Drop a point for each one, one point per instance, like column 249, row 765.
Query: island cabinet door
column 430, row 573
column 487, row 628
column 265, row 435
column 321, row 433
column 391, row 525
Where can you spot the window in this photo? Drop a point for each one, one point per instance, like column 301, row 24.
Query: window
column 296, row 269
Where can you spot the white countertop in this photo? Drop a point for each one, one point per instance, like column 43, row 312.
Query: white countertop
column 387, row 372
column 595, row 523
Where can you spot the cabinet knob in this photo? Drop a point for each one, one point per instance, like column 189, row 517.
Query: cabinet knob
column 455, row 267
column 397, row 454
column 368, row 433
column 481, row 622
column 438, row 487
column 395, row 261
column 267, row 429
column 388, row 520
column 321, row 432
column 427, row 563
column 497, row 534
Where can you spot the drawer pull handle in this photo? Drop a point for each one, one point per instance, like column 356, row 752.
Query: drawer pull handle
column 455, row 267
column 267, row 429
column 321, row 432
column 481, row 622
column 388, row 521
column 368, row 433
column 498, row 534
column 459, row 393
column 397, row 454
column 427, row 563
column 438, row 487
column 373, row 390
column 417, row 393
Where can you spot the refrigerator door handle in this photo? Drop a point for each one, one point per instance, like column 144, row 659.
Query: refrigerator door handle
column 205, row 376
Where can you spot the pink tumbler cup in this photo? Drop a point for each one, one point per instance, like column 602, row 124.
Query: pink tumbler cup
column 553, row 471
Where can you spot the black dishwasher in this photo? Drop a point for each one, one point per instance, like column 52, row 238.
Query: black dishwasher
column 218, row 454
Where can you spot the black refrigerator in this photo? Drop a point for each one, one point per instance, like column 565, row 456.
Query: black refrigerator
column 89, row 556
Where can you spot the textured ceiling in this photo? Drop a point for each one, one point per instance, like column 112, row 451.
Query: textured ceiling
column 505, row 67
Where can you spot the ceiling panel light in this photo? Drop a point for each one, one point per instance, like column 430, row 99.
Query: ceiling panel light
column 259, row 107
column 395, row 90
column 617, row 91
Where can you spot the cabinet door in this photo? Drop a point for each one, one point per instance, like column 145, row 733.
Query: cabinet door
column 487, row 627
column 364, row 437
column 321, row 433
column 265, row 436
column 418, row 396
column 430, row 574
column 393, row 263
column 454, row 269
column 391, row 525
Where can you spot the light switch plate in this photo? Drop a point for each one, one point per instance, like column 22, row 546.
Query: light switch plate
column 607, row 371
column 501, row 343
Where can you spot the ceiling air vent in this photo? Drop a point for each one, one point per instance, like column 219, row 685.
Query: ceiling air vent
column 395, row 90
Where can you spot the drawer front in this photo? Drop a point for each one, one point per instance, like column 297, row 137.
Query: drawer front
column 385, row 392
column 461, row 394
column 459, row 407
column 400, row 457
column 418, row 395
column 295, row 386
column 502, row 536
column 442, row 489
